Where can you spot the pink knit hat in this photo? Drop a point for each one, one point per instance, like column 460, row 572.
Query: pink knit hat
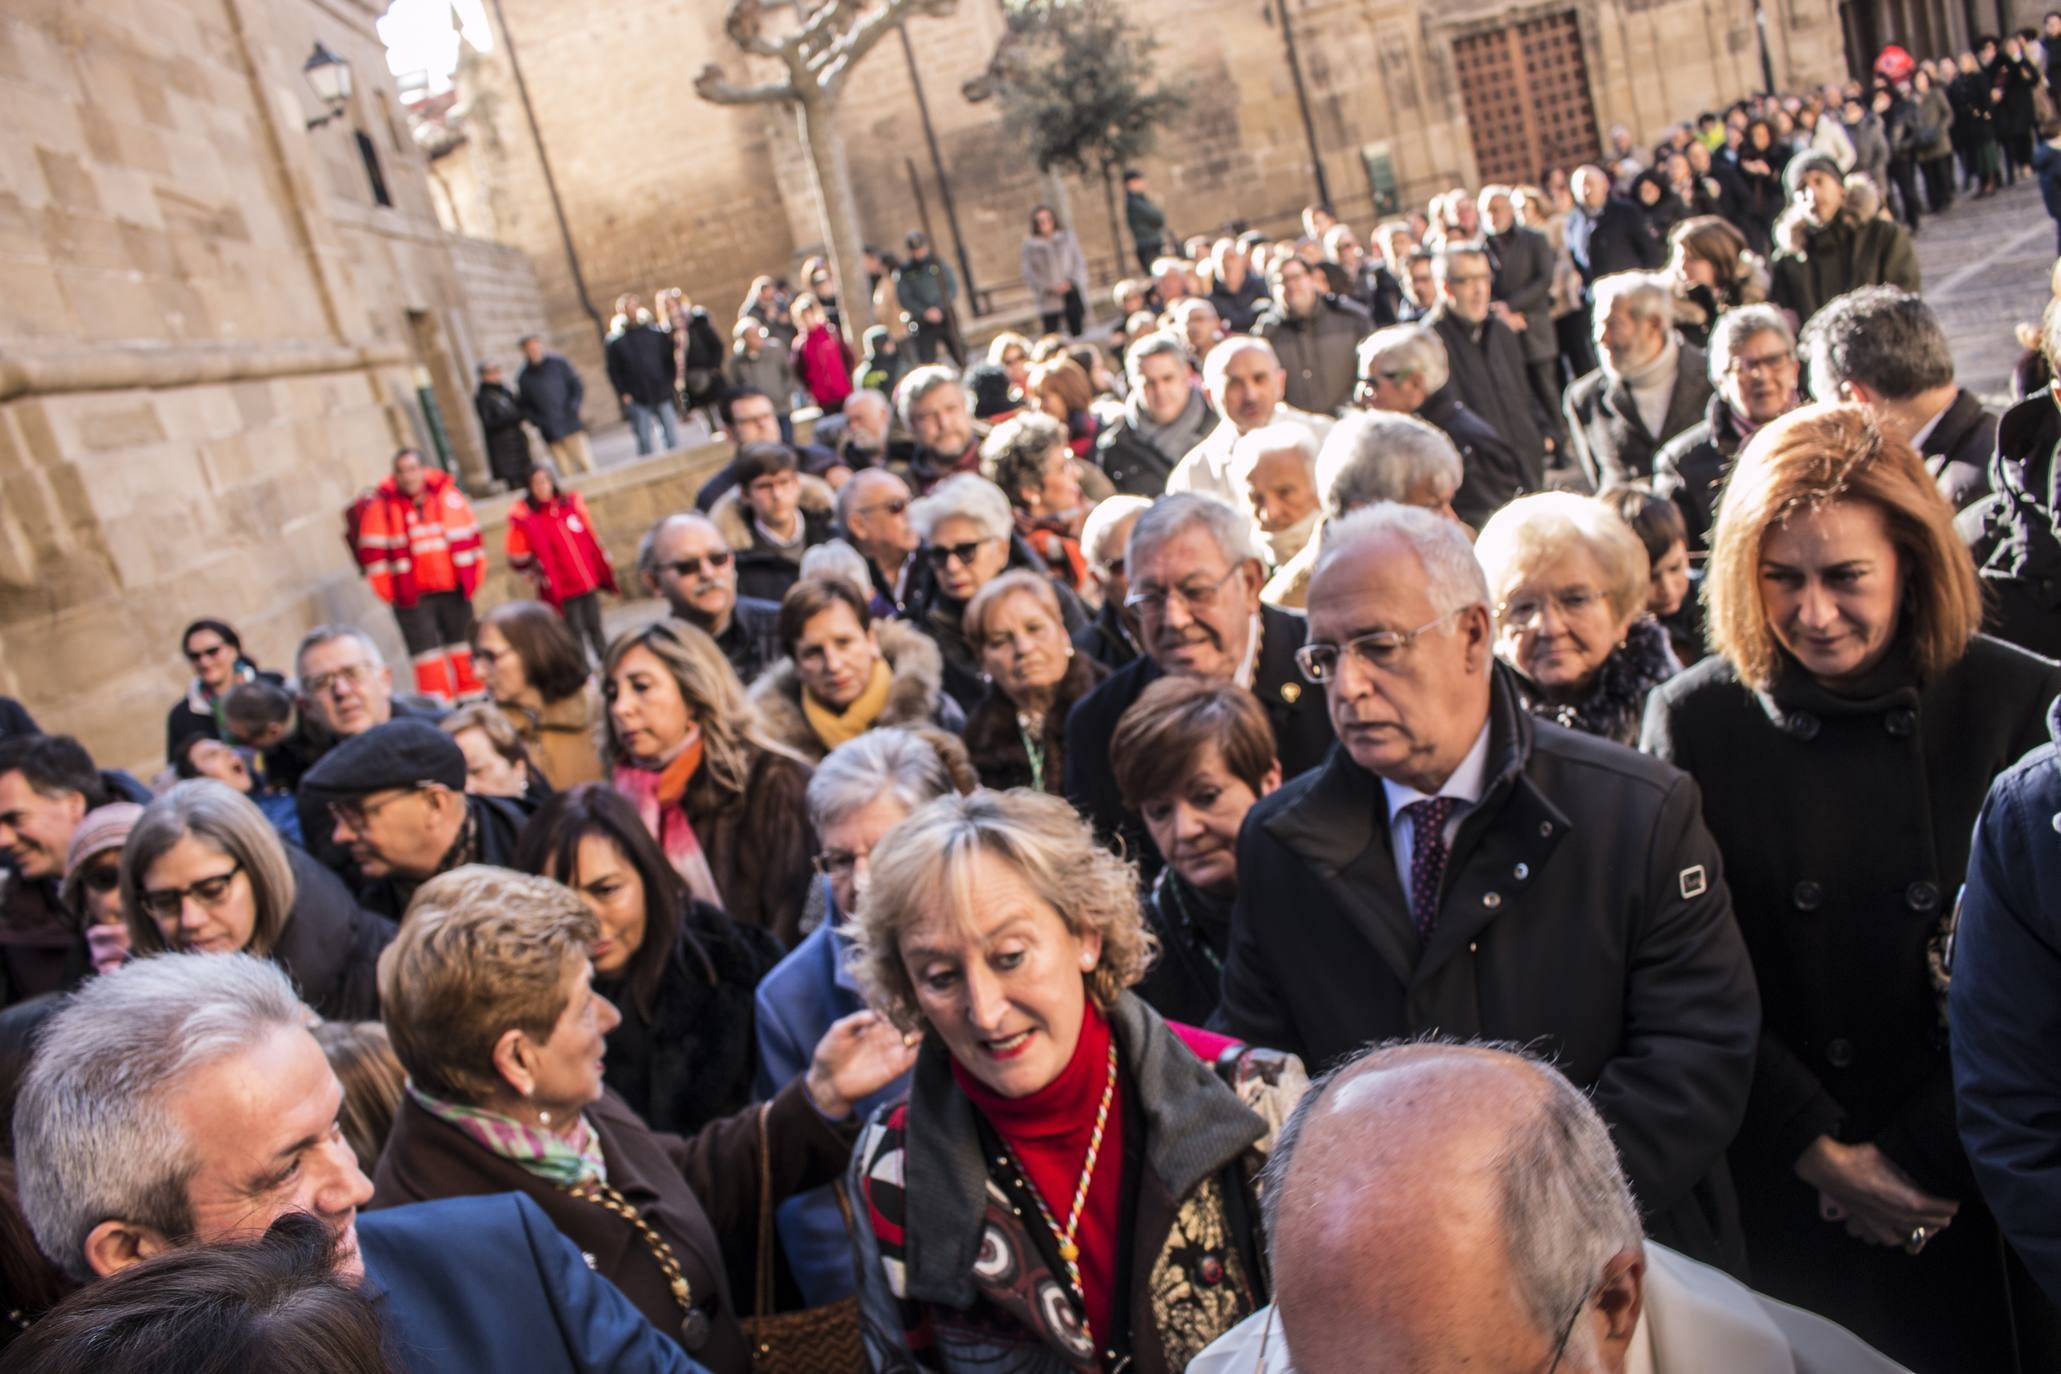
column 103, row 828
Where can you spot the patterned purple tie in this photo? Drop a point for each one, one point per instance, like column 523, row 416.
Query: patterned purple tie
column 1427, row 858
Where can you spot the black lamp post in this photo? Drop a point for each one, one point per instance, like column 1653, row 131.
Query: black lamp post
column 330, row 76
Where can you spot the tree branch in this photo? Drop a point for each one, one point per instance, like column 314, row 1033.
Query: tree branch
column 712, row 85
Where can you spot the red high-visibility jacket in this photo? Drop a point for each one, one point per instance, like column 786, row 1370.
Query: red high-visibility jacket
column 409, row 548
column 557, row 546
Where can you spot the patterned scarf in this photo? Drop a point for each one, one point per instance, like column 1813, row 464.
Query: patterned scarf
column 562, row 1161
column 659, row 794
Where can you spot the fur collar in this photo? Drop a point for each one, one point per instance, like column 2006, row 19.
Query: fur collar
column 733, row 518
column 912, row 696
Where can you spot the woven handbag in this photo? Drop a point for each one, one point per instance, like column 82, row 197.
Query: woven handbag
column 815, row 1340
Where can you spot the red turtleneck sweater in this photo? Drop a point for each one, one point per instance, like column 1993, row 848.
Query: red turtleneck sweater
column 1049, row 1131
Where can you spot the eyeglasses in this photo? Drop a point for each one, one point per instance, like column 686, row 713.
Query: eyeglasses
column 941, row 554
column 710, row 562
column 1570, row 602
column 320, row 685
column 1381, row 649
column 893, row 507
column 1567, row 1332
column 165, row 902
column 101, row 878
column 359, row 813
column 1197, row 593
column 196, row 655
column 1766, row 363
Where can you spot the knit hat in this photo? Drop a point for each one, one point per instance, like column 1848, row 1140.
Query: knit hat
column 103, row 828
column 400, row 753
column 1805, row 163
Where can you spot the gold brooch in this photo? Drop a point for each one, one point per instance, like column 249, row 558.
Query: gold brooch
column 1291, row 692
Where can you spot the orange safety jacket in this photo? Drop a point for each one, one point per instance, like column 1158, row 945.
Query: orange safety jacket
column 410, row 548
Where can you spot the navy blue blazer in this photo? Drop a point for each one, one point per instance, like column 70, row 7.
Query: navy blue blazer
column 470, row 1283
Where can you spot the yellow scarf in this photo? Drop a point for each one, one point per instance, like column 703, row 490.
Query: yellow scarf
column 834, row 728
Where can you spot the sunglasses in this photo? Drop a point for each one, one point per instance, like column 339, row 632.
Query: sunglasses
column 894, row 507
column 712, row 562
column 196, row 655
column 941, row 554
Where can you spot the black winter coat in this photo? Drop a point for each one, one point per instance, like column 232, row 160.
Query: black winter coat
column 1523, row 264
column 1487, row 375
column 2012, row 532
column 331, row 946
column 1620, row 242
column 1584, row 912
column 689, row 1058
column 1606, row 432
column 1690, row 469
column 640, row 364
column 551, row 393
column 500, row 417
column 1840, row 257
column 1302, row 729
column 1845, row 820
column 1958, row 450
column 1491, row 472
column 493, row 826
column 994, row 740
column 1106, row 640
column 1186, row 981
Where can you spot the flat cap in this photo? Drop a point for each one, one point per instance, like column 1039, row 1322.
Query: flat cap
column 400, row 753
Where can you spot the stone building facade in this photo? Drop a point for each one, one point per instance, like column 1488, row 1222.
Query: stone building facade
column 1404, row 99
column 216, row 325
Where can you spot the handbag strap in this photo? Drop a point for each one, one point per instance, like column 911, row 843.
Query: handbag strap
column 762, row 1297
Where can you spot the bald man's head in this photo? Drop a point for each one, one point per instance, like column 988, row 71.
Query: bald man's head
column 1451, row 1207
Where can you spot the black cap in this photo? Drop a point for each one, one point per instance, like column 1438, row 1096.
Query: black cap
column 400, row 753
column 916, row 238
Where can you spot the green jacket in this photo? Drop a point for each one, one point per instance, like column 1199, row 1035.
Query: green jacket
column 1147, row 221
column 925, row 285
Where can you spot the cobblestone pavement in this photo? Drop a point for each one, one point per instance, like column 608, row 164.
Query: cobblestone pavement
column 1985, row 266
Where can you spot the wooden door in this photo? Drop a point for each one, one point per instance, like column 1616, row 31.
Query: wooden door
column 1526, row 91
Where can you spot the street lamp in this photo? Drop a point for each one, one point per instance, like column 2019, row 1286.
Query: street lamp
column 330, row 76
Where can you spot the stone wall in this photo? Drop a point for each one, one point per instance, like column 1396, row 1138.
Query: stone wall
column 211, row 336
column 661, row 188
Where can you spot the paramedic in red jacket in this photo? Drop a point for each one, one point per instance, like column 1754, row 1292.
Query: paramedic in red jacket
column 417, row 540
column 551, row 537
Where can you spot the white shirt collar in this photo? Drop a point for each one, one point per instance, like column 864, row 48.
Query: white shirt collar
column 1466, row 784
column 1249, row 669
column 1924, row 431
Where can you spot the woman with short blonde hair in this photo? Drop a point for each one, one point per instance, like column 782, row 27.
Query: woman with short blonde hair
column 996, row 927
column 1016, row 734
column 722, row 799
column 1844, row 734
column 489, row 1002
column 1567, row 579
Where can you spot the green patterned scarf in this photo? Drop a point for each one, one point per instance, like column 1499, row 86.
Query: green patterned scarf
column 563, row 1161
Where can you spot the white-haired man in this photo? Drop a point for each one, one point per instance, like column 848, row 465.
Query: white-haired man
column 1164, row 417
column 1403, row 370
column 1499, row 1183
column 1649, row 388
column 1246, row 384
column 184, row 1099
column 1459, row 867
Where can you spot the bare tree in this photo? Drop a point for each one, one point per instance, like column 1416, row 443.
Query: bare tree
column 826, row 41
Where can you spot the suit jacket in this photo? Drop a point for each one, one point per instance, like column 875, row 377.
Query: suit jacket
column 1488, row 376
column 1523, row 260
column 1958, row 450
column 1584, row 910
column 478, row 1283
column 701, row 1194
column 1606, row 432
column 1302, row 728
column 1616, row 241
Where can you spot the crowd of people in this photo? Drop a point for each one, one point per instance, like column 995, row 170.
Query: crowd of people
column 1063, row 883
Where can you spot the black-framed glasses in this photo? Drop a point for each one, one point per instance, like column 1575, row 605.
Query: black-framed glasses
column 322, row 684
column 165, row 902
column 1381, row 649
column 941, row 554
column 710, row 562
column 1197, row 593
column 358, row 813
column 1744, row 366
column 1567, row 1332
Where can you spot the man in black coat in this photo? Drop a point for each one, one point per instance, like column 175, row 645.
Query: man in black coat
column 500, row 418
column 551, row 392
column 1883, row 347
column 1484, row 357
column 395, row 796
column 1522, row 291
column 685, row 559
column 641, row 368
column 2014, row 533
column 1649, row 388
column 1457, row 867
column 1195, row 581
column 1606, row 233
column 1403, row 369
column 1754, row 369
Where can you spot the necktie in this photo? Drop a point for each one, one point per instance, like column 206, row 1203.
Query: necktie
column 1427, row 859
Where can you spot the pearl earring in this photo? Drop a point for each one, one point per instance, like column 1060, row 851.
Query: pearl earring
column 543, row 1117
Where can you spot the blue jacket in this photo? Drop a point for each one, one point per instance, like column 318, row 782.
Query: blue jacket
column 795, row 1004
column 2046, row 164
column 2004, row 1010
column 477, row 1283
